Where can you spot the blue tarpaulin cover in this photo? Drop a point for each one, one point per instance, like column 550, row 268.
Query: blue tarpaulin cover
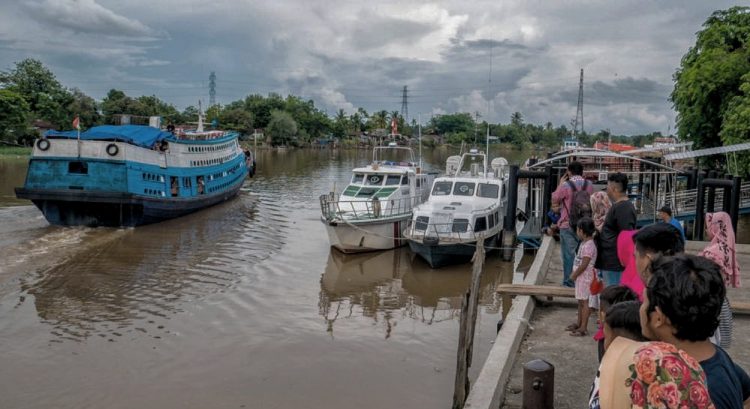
column 140, row 135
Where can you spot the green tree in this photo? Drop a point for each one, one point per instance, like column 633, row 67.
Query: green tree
column 707, row 89
column 237, row 119
column 340, row 124
column 14, row 116
column 282, row 128
column 46, row 97
column 85, row 107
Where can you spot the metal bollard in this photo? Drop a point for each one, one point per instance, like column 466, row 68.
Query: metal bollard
column 538, row 385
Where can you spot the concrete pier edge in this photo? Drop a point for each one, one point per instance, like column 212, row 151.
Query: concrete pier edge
column 489, row 388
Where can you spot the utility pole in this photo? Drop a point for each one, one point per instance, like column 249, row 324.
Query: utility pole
column 212, row 89
column 405, row 105
column 579, row 111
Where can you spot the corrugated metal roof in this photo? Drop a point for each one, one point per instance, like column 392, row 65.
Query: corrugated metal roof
column 708, row 152
column 591, row 153
column 659, row 148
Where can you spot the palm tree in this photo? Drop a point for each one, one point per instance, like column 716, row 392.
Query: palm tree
column 380, row 119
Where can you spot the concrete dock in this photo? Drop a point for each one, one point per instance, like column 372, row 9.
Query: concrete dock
column 536, row 330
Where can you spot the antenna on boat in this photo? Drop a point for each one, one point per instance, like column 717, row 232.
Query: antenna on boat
column 489, row 100
column 200, row 117
column 419, row 126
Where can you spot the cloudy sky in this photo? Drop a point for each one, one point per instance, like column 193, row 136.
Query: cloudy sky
column 349, row 54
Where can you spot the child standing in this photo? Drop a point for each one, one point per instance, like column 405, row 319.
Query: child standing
column 583, row 274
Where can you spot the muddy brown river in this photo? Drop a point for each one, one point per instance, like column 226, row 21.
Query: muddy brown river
column 242, row 305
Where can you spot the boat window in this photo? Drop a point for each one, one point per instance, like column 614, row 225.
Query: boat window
column 392, row 180
column 366, row 192
column 460, row 225
column 480, row 225
column 405, row 180
column 421, row 223
column 464, row 189
column 186, row 182
column 358, row 178
column 82, row 168
column 442, row 188
column 491, row 220
column 374, row 180
column 419, row 181
column 488, row 190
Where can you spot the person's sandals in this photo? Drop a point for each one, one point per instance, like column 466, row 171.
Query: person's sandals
column 578, row 333
column 571, row 327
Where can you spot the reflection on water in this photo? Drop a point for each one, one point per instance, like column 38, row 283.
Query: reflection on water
column 376, row 285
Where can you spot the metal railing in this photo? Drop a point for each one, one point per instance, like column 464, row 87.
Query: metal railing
column 445, row 232
column 333, row 208
column 684, row 201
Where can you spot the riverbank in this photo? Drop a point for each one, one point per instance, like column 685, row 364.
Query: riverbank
column 14, row 150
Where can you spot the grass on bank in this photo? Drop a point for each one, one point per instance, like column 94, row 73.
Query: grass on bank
column 6, row 150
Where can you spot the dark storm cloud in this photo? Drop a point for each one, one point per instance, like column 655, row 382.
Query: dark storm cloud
column 86, row 16
column 621, row 91
column 346, row 54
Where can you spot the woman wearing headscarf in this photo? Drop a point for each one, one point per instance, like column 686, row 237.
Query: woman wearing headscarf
column 722, row 251
column 600, row 205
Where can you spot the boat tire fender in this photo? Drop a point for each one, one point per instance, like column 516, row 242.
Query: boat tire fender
column 112, row 149
column 43, row 144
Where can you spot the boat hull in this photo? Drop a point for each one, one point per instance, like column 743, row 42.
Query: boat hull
column 361, row 238
column 441, row 255
column 114, row 209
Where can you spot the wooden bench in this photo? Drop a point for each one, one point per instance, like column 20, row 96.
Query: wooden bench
column 550, row 291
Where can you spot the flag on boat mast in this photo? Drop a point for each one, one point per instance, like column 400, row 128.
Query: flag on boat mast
column 77, row 126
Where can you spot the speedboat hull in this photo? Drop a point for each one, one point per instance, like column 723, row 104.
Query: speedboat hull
column 438, row 255
column 364, row 237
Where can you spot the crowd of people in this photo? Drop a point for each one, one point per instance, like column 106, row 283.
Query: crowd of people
column 664, row 320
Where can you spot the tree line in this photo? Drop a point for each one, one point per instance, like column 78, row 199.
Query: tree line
column 30, row 93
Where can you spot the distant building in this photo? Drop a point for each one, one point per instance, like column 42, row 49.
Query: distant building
column 613, row 147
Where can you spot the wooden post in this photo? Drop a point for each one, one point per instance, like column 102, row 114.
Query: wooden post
column 469, row 307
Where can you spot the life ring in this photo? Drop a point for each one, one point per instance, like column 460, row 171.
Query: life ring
column 112, row 149
column 43, row 144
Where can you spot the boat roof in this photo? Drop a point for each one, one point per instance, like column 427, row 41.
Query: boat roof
column 660, row 148
column 140, row 135
column 477, row 179
column 596, row 153
column 384, row 169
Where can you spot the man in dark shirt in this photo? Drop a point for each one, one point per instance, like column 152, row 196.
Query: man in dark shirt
column 681, row 306
column 620, row 217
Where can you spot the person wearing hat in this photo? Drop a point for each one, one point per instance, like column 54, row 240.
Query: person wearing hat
column 665, row 214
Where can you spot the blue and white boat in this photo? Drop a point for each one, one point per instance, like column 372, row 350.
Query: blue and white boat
column 130, row 175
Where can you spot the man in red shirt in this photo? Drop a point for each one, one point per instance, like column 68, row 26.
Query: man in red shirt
column 570, row 183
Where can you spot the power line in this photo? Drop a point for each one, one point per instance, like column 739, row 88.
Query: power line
column 579, row 110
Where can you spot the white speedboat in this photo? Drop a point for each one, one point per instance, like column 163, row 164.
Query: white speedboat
column 373, row 210
column 463, row 207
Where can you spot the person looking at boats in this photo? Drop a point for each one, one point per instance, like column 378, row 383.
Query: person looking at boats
column 620, row 217
column 583, row 274
column 722, row 251
column 665, row 214
column 551, row 225
column 651, row 242
column 681, row 306
column 570, row 195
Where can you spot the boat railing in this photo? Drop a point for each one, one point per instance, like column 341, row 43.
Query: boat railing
column 333, row 208
column 449, row 232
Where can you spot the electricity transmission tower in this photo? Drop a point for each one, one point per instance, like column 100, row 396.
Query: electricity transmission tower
column 212, row 89
column 405, row 105
column 579, row 111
